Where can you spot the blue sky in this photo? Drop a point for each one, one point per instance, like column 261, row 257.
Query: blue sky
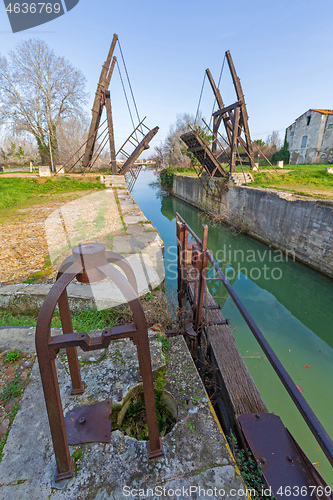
column 282, row 50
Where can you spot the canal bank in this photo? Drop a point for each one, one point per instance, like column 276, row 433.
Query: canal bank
column 299, row 227
column 294, row 311
column 110, row 217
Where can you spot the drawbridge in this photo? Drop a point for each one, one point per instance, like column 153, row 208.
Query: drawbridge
column 196, row 145
column 225, row 152
column 101, row 132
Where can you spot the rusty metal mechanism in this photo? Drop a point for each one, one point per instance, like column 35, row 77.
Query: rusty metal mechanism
column 275, row 450
column 90, row 263
column 193, row 258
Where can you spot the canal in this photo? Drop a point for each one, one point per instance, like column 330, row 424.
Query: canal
column 291, row 304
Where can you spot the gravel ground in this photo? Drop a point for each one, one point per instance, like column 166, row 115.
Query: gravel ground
column 23, row 246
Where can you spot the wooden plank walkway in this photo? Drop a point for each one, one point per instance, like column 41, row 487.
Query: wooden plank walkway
column 238, row 383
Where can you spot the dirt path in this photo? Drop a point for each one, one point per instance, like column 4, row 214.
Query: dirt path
column 23, row 245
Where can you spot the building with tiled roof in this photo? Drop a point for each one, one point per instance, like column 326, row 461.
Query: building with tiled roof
column 310, row 137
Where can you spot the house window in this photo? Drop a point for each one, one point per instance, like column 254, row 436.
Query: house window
column 330, row 126
column 292, row 133
column 304, row 141
column 308, row 119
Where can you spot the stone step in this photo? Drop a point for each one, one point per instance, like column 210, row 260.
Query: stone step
column 240, row 178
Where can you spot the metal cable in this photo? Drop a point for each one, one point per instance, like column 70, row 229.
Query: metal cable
column 99, row 150
column 203, row 84
column 129, row 109
column 129, row 83
column 218, row 86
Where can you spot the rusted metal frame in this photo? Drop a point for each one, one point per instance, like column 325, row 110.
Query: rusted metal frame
column 47, row 348
column 120, row 261
column 240, row 96
column 72, row 166
column 189, row 229
column 202, row 268
column 65, row 464
column 154, row 445
column 307, row 413
column 183, row 257
column 135, row 130
column 87, row 343
column 111, row 132
column 67, row 328
column 179, row 284
column 234, row 144
column 123, row 152
column 135, row 175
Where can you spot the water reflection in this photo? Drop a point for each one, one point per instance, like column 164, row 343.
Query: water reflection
column 291, row 303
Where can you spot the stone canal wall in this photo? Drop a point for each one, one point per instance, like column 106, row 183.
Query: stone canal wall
column 298, row 226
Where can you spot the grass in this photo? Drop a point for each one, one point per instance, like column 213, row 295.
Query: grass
column 135, row 422
column 92, row 319
column 15, row 192
column 250, row 470
column 83, row 321
column 298, row 177
column 13, row 390
column 306, row 180
column 12, row 356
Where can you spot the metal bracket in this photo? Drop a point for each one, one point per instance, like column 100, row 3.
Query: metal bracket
column 274, row 449
column 89, row 424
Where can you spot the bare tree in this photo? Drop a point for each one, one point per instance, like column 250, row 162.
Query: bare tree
column 71, row 134
column 274, row 140
column 17, row 149
column 174, row 150
column 38, row 89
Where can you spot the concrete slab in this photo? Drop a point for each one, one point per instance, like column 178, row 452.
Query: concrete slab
column 196, row 457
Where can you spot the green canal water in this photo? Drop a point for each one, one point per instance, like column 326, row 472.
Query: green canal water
column 291, row 303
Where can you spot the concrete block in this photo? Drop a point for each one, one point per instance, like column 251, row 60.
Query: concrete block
column 60, row 170
column 44, row 171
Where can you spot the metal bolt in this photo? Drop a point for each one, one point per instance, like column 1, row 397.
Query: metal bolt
column 290, row 458
column 258, row 415
column 120, row 395
column 82, row 420
column 263, row 460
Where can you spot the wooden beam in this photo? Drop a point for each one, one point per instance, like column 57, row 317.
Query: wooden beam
column 108, row 78
column 240, row 97
column 227, row 109
column 234, row 144
column 98, row 105
column 220, row 103
column 111, row 133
